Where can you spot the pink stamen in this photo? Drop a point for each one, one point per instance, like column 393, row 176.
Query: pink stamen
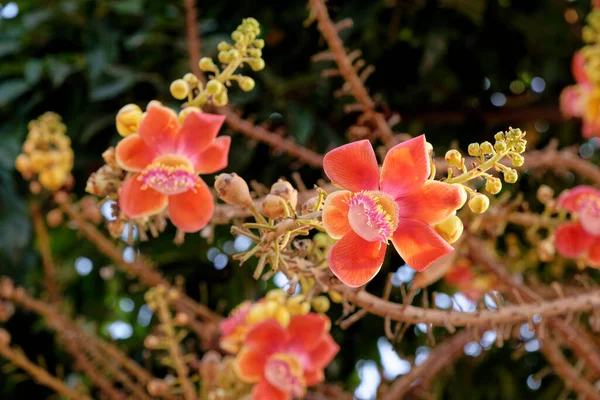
column 169, row 176
column 284, row 372
column 589, row 213
column 373, row 215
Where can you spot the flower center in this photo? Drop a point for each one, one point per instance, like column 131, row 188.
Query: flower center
column 373, row 215
column 285, row 372
column 169, row 175
column 589, row 214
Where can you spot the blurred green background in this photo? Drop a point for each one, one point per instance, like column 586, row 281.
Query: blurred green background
column 458, row 70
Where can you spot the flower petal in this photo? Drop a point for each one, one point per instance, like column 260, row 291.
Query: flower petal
column 418, row 243
column 305, row 331
column 250, row 364
column 353, row 166
column 313, row 377
column 263, row 390
column 214, row 157
column 594, row 254
column 159, row 128
column 578, row 68
column 572, row 100
column 335, row 214
column 355, row 261
column 590, row 129
column 135, row 202
column 267, row 336
column 133, row 154
column 190, row 211
column 197, row 132
column 406, row 167
column 571, row 199
column 322, row 354
column 432, row 203
column 571, row 240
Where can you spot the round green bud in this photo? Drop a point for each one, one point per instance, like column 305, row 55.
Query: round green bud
column 257, row 64
column 500, row 146
column 511, row 176
column 179, row 89
column 499, row 136
column 246, row 84
column 214, row 87
column 206, row 64
column 518, row 160
column 474, row 150
column 255, row 53
column 250, row 36
column 237, row 35
column 251, row 21
column 259, row 43
column 223, row 57
column 191, row 79
column 493, row 185
column 234, row 54
column 221, row 99
column 479, row 203
column 223, row 46
column 487, row 148
column 520, row 146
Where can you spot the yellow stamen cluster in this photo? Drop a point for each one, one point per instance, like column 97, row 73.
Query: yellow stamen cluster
column 47, row 156
column 246, row 49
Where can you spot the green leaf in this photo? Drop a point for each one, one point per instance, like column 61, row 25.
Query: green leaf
column 58, row 71
column 112, row 89
column 128, row 7
column 11, row 90
column 33, row 71
column 8, row 47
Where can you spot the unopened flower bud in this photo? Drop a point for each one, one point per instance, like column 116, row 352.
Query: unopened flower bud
column 128, row 119
column 282, row 315
column 257, row 64
column 54, row 217
column 320, row 304
column 429, row 148
column 493, row 185
column 232, row 189
column 183, row 114
column 206, row 64
column 151, row 342
column 518, row 160
column 463, row 195
column 487, row 148
column 190, row 79
column 53, row 178
column 454, row 158
column 234, row 54
column 223, row 57
column 511, row 176
column 181, row 319
column 277, row 295
column 222, row 46
column 158, row 387
column 500, row 146
column 259, row 43
column 273, row 207
column 285, row 190
column 474, row 150
column 23, row 164
column 499, row 136
column 310, row 205
column 545, row 193
column 4, row 337
column 298, row 306
column 546, row 250
column 179, row 89
column 237, row 36
column 214, row 87
column 255, row 53
column 520, row 146
column 450, row 229
column 479, row 203
column 246, row 84
column 221, row 99
column 336, row 297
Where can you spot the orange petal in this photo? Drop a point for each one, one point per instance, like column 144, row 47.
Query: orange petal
column 594, row 254
column 335, row 214
column 135, row 202
column 571, row 240
column 355, row 261
column 306, row 330
column 313, row 377
column 214, row 157
column 262, row 335
column 159, row 128
column 133, row 154
column 190, row 211
column 578, row 68
column 322, row 354
column 590, row 129
column 263, row 390
column 250, row 364
column 197, row 132
column 353, row 166
column 406, row 167
column 432, row 203
column 418, row 243
column 571, row 199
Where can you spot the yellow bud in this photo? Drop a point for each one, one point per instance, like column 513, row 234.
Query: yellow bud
column 257, row 313
column 518, row 160
column 320, row 304
column 285, row 190
column 246, row 84
column 336, row 297
column 128, row 119
column 545, row 193
column 520, row 146
column 183, row 114
column 53, row 178
column 234, row 55
column 223, row 57
column 223, row 46
column 450, row 229
column 282, row 315
column 276, row 294
column 179, row 89
column 454, row 158
column 546, row 250
column 298, row 306
column 463, row 195
column 493, row 185
column 479, row 203
column 474, row 150
column 499, row 136
column 221, row 99
column 190, row 79
column 510, row 176
column 23, row 164
column 500, row 145
column 259, row 43
column 429, row 148
column 255, row 53
column 237, row 36
column 272, row 206
column 214, row 87
column 487, row 148
column 257, row 64
column 206, row 64
column 233, row 190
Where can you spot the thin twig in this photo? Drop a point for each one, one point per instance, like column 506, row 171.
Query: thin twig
column 46, row 252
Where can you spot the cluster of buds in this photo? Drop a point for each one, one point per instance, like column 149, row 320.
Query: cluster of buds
column 591, row 35
column 106, row 181
column 246, row 49
column 276, row 304
column 281, row 200
column 510, row 144
column 47, row 157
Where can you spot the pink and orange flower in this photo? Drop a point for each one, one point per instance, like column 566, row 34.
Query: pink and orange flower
column 580, row 239
column 582, row 100
column 465, row 279
column 283, row 361
column 400, row 205
column 165, row 159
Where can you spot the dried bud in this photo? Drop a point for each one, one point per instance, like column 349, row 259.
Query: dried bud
column 116, row 227
column 54, row 217
column 152, row 342
column 450, row 229
column 286, row 191
column 158, row 387
column 545, row 193
column 110, row 157
column 179, row 89
column 310, row 205
column 4, row 337
column 128, row 119
column 35, row 187
column 233, row 189
column 493, row 185
column 320, row 304
column 454, row 158
column 479, row 203
column 273, row 207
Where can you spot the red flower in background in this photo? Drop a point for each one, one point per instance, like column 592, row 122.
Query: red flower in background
column 166, row 159
column 284, row 361
column 399, row 204
column 580, row 238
